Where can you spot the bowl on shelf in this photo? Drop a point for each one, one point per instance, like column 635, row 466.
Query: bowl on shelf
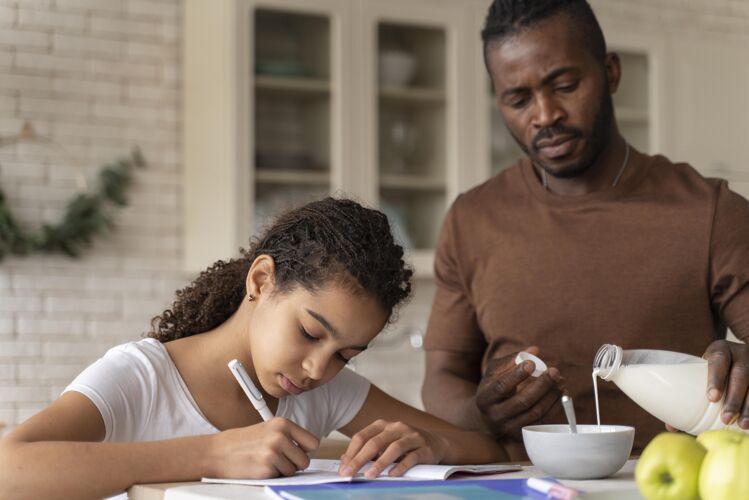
column 397, row 68
column 594, row 452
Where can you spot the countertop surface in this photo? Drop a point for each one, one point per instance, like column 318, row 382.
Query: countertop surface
column 620, row 486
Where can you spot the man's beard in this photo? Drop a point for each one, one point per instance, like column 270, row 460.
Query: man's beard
column 597, row 143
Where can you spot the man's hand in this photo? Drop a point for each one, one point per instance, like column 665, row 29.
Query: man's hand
column 728, row 372
column 508, row 398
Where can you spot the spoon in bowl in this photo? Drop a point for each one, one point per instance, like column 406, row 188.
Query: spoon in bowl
column 569, row 411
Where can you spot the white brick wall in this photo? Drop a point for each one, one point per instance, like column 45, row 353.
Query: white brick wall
column 102, row 76
column 99, row 77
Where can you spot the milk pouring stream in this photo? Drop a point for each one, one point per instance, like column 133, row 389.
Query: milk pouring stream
column 671, row 386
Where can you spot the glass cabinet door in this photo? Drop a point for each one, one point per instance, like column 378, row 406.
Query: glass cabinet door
column 504, row 151
column 291, row 112
column 631, row 101
column 411, row 144
column 410, row 140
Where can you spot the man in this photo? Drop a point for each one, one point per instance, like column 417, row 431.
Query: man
column 583, row 242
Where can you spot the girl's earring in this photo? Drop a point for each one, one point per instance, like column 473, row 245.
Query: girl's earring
column 251, row 298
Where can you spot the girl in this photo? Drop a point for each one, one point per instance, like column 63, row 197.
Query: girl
column 307, row 297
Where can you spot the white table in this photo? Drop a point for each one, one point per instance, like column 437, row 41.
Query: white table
column 620, row 486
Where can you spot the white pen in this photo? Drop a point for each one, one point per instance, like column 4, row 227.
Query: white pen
column 249, row 388
column 552, row 490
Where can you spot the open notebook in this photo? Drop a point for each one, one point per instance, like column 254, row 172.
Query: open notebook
column 322, row 471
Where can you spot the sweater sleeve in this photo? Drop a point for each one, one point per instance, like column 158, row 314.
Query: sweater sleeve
column 729, row 261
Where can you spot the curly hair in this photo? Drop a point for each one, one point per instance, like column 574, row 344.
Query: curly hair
column 508, row 17
column 323, row 241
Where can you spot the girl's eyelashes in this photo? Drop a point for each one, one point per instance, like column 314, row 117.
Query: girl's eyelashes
column 306, row 334
column 311, row 338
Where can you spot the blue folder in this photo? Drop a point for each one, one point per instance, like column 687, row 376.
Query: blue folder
column 474, row 489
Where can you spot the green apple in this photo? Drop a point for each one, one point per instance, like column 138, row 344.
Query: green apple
column 713, row 439
column 669, row 467
column 724, row 470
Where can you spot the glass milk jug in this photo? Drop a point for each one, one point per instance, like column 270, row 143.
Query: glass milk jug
column 671, row 386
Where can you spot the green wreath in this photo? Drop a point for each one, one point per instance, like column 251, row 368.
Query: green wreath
column 87, row 215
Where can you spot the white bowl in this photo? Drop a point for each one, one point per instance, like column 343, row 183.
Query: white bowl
column 594, row 452
column 396, row 68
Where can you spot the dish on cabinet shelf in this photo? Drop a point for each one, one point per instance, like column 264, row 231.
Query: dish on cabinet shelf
column 396, row 68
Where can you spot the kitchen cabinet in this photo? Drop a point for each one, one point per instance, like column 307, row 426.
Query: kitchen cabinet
column 709, row 104
column 409, row 128
column 264, row 119
column 294, row 98
column 290, row 100
column 697, row 102
column 386, row 101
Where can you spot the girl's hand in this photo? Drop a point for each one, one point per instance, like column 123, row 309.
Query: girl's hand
column 391, row 442
column 274, row 448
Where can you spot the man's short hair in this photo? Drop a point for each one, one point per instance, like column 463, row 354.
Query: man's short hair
column 510, row 17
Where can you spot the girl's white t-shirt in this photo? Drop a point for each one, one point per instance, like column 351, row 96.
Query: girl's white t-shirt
column 142, row 397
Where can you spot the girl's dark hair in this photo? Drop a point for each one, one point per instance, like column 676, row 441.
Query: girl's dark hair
column 508, row 17
column 330, row 239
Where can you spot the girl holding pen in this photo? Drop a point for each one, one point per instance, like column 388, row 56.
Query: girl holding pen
column 303, row 300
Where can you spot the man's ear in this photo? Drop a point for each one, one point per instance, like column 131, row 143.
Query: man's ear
column 261, row 276
column 613, row 71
